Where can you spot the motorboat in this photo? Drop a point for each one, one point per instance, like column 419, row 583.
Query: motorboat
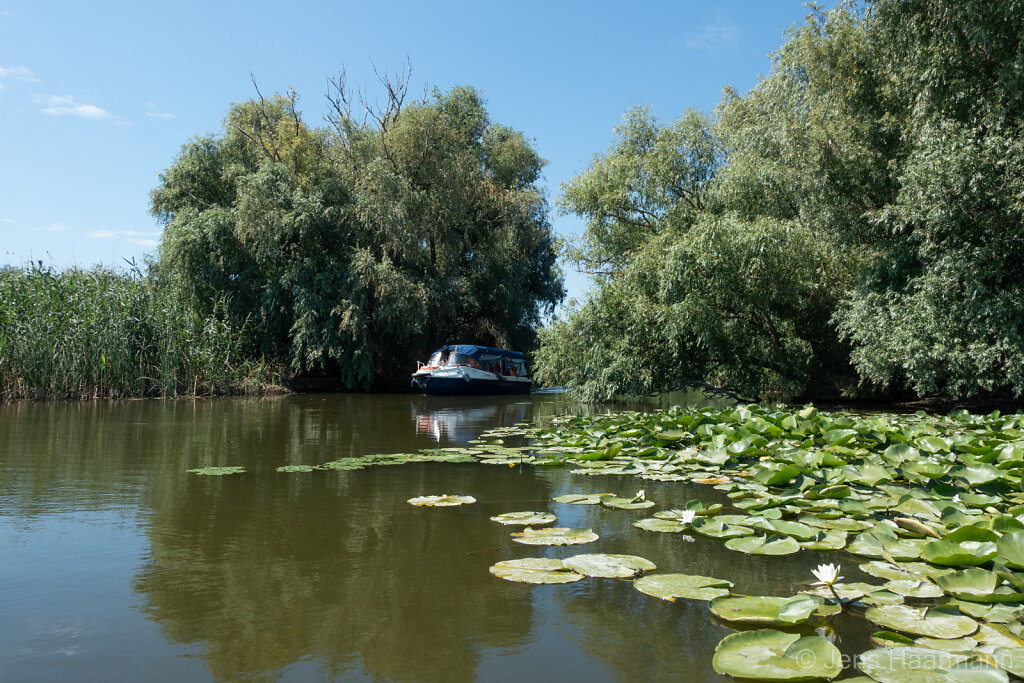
column 472, row 370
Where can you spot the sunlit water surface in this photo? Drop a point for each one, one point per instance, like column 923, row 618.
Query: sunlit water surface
column 116, row 564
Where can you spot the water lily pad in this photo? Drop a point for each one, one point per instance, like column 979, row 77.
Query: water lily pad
column 525, row 518
column 891, row 639
column 953, row 554
column 297, row 468
column 554, row 536
column 1010, row 659
column 757, row 610
column 443, row 500
column 671, row 526
column 826, row 540
column 978, row 585
column 903, row 571
column 540, row 570
column 912, row 588
column 609, row 566
column 924, row 665
column 964, row 645
column 764, row 545
column 767, row 654
column 673, row 586
column 218, row 471
column 1011, row 549
column 618, row 503
column 922, row 621
column 581, row 498
column 885, row 544
column 994, row 613
column 717, row 527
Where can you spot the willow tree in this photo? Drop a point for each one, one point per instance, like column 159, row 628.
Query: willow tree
column 354, row 247
column 860, row 230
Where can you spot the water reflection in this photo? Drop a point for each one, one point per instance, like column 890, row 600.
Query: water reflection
column 455, row 419
column 324, row 574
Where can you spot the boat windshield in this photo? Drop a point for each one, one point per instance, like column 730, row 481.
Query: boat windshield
column 435, row 359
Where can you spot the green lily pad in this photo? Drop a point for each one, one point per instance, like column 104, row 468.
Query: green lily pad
column 618, row 503
column 540, row 570
column 663, row 525
column 691, row 587
column 953, row 554
column 924, row 665
column 994, row 613
column 525, row 518
column 717, row 527
column 609, row 566
column 891, row 639
column 1011, row 549
column 218, row 471
column 443, row 500
column 826, row 540
column 770, row 655
column 903, row 571
column 554, row 536
column 297, row 468
column 764, row 545
column 759, row 610
column 978, row 585
column 914, row 588
column 921, row 621
column 1010, row 659
column 885, row 544
column 964, row 645
column 581, row 498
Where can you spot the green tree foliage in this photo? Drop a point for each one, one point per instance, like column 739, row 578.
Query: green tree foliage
column 853, row 223
column 357, row 246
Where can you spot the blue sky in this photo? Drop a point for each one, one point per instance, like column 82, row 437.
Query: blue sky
column 97, row 97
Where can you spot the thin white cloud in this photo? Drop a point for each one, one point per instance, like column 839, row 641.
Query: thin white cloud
column 145, row 239
column 8, row 220
column 17, row 73
column 716, row 36
column 66, row 105
column 153, row 112
column 52, row 227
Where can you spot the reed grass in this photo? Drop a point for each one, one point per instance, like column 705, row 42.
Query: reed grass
column 102, row 333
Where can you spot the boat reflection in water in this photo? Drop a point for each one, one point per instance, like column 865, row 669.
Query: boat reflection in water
column 460, row 419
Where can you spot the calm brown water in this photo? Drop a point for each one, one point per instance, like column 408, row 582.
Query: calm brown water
column 118, row 565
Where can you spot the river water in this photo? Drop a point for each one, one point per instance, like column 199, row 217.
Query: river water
column 116, row 564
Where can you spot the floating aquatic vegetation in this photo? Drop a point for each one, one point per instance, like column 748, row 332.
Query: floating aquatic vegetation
column 443, row 500
column 609, row 566
column 691, row 587
column 759, row 610
column 297, row 468
column 539, row 570
column 526, row 518
column 925, row 665
column 937, row 622
column 218, row 471
column 554, row 536
column 770, row 655
column 582, row 498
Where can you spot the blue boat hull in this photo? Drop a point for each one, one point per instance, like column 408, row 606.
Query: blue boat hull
column 451, row 386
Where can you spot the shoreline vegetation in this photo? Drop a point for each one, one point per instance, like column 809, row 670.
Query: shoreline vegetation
column 850, row 230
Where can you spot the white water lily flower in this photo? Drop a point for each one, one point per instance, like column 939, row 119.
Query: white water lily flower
column 827, row 574
column 956, row 498
column 686, row 516
column 640, row 495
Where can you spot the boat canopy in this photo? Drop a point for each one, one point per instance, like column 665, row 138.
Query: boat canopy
column 475, row 352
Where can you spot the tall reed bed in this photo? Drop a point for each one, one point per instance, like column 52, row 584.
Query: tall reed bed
column 104, row 333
